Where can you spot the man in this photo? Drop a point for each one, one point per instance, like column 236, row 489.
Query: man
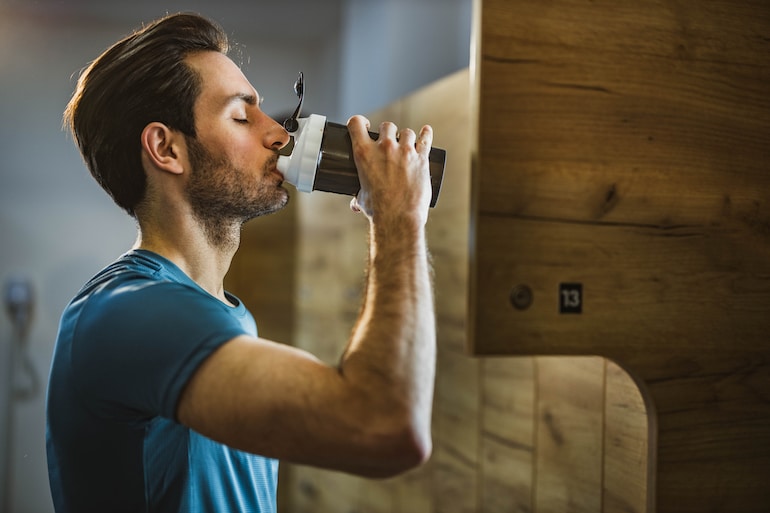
column 161, row 395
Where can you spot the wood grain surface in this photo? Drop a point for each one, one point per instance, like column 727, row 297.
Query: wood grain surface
column 624, row 146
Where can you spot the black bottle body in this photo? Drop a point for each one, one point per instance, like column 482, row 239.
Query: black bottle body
column 337, row 172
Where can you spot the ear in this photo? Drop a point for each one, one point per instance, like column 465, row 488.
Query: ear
column 161, row 147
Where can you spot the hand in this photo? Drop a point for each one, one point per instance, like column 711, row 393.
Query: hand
column 393, row 170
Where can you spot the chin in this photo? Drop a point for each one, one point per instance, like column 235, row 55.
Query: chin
column 274, row 204
column 284, row 197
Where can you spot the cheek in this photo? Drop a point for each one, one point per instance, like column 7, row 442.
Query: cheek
column 239, row 148
column 231, row 153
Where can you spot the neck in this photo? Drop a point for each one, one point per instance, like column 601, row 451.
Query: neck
column 204, row 253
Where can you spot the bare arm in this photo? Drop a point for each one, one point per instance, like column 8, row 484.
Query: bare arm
column 371, row 414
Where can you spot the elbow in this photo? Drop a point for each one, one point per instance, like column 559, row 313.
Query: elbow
column 424, row 450
column 403, row 451
column 417, row 451
column 413, row 450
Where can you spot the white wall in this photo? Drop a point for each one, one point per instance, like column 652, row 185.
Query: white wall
column 58, row 228
column 390, row 48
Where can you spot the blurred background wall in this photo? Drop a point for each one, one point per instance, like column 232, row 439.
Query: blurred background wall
column 58, row 227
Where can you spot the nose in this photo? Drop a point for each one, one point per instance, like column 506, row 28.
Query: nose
column 278, row 137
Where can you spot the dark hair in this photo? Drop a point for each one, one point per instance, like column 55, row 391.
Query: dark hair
column 140, row 79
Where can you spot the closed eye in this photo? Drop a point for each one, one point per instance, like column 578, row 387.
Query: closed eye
column 241, row 121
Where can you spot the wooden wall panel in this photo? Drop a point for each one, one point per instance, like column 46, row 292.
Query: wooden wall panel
column 623, row 146
column 595, row 104
column 626, row 444
column 570, row 428
column 508, row 435
column 667, row 298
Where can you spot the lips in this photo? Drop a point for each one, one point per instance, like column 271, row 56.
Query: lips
column 272, row 165
column 276, row 172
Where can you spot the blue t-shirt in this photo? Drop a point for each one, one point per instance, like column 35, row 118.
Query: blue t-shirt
column 127, row 345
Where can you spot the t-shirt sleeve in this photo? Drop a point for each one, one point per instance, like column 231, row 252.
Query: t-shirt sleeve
column 137, row 346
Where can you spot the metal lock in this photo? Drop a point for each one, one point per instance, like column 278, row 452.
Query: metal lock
column 521, row 297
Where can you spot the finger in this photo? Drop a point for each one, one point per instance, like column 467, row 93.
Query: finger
column 358, row 126
column 425, row 140
column 388, row 130
column 407, row 137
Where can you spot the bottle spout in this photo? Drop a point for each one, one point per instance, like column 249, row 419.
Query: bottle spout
column 299, row 168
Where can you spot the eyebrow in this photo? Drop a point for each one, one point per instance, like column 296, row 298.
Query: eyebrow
column 244, row 97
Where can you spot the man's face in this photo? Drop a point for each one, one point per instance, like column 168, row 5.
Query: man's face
column 233, row 175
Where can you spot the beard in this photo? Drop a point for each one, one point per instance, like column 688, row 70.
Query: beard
column 223, row 196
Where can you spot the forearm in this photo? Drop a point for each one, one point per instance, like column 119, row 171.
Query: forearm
column 391, row 356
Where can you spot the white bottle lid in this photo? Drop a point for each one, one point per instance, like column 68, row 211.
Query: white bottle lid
column 300, row 167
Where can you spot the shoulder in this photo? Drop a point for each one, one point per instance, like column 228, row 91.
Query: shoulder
column 125, row 309
column 152, row 308
column 141, row 287
column 138, row 338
